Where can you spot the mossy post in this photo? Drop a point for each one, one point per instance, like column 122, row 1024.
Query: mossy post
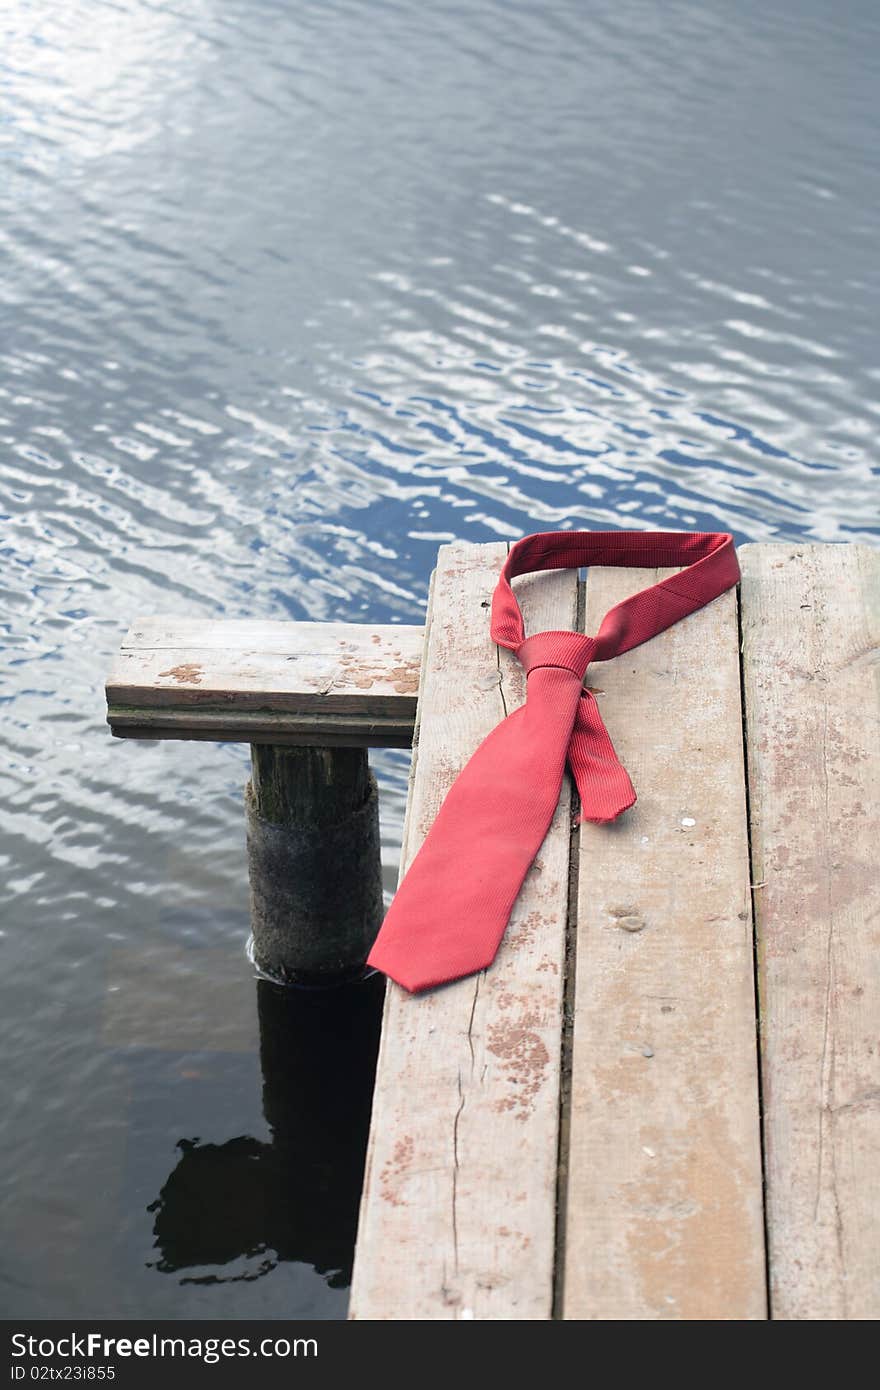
column 314, row 862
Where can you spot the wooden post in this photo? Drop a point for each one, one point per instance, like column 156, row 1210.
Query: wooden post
column 313, row 858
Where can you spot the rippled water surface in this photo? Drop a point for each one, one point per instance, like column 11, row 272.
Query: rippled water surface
column 293, row 291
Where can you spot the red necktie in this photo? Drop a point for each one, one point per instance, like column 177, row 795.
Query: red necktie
column 451, row 909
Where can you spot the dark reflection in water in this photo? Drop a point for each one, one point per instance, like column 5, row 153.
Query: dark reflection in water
column 295, row 1197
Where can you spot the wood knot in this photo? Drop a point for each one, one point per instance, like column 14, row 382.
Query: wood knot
column 628, row 918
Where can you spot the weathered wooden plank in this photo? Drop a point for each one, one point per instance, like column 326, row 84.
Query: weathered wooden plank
column 458, row 1210
column 161, row 632
column 811, row 634
column 664, row 1202
column 181, row 679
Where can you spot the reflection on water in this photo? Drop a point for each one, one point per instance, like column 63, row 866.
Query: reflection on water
column 290, row 292
column 246, row 1204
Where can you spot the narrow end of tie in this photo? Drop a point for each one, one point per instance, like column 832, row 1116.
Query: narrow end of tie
column 606, row 815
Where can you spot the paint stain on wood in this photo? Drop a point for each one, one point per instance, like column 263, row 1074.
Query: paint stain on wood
column 403, row 679
column 394, row 1171
column 518, row 1045
column 189, row 673
column 522, row 934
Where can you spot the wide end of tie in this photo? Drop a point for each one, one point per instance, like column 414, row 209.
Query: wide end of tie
column 420, row 973
column 415, row 981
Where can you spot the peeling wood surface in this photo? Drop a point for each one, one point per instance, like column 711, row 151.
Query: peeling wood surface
column 664, row 1202
column 811, row 633
column 458, row 1210
column 225, row 679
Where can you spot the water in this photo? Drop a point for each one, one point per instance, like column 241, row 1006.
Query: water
column 291, row 293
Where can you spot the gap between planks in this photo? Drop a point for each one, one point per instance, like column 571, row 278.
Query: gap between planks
column 567, row 1034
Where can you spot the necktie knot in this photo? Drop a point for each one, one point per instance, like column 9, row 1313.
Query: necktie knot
column 572, row 651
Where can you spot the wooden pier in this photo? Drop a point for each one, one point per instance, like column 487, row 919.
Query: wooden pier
column 663, row 1099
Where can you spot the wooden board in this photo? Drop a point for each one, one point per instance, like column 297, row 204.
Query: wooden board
column 811, row 629
column 262, row 681
column 663, row 1215
column 459, row 1204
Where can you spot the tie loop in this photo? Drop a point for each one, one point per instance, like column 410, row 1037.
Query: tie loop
column 711, row 563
